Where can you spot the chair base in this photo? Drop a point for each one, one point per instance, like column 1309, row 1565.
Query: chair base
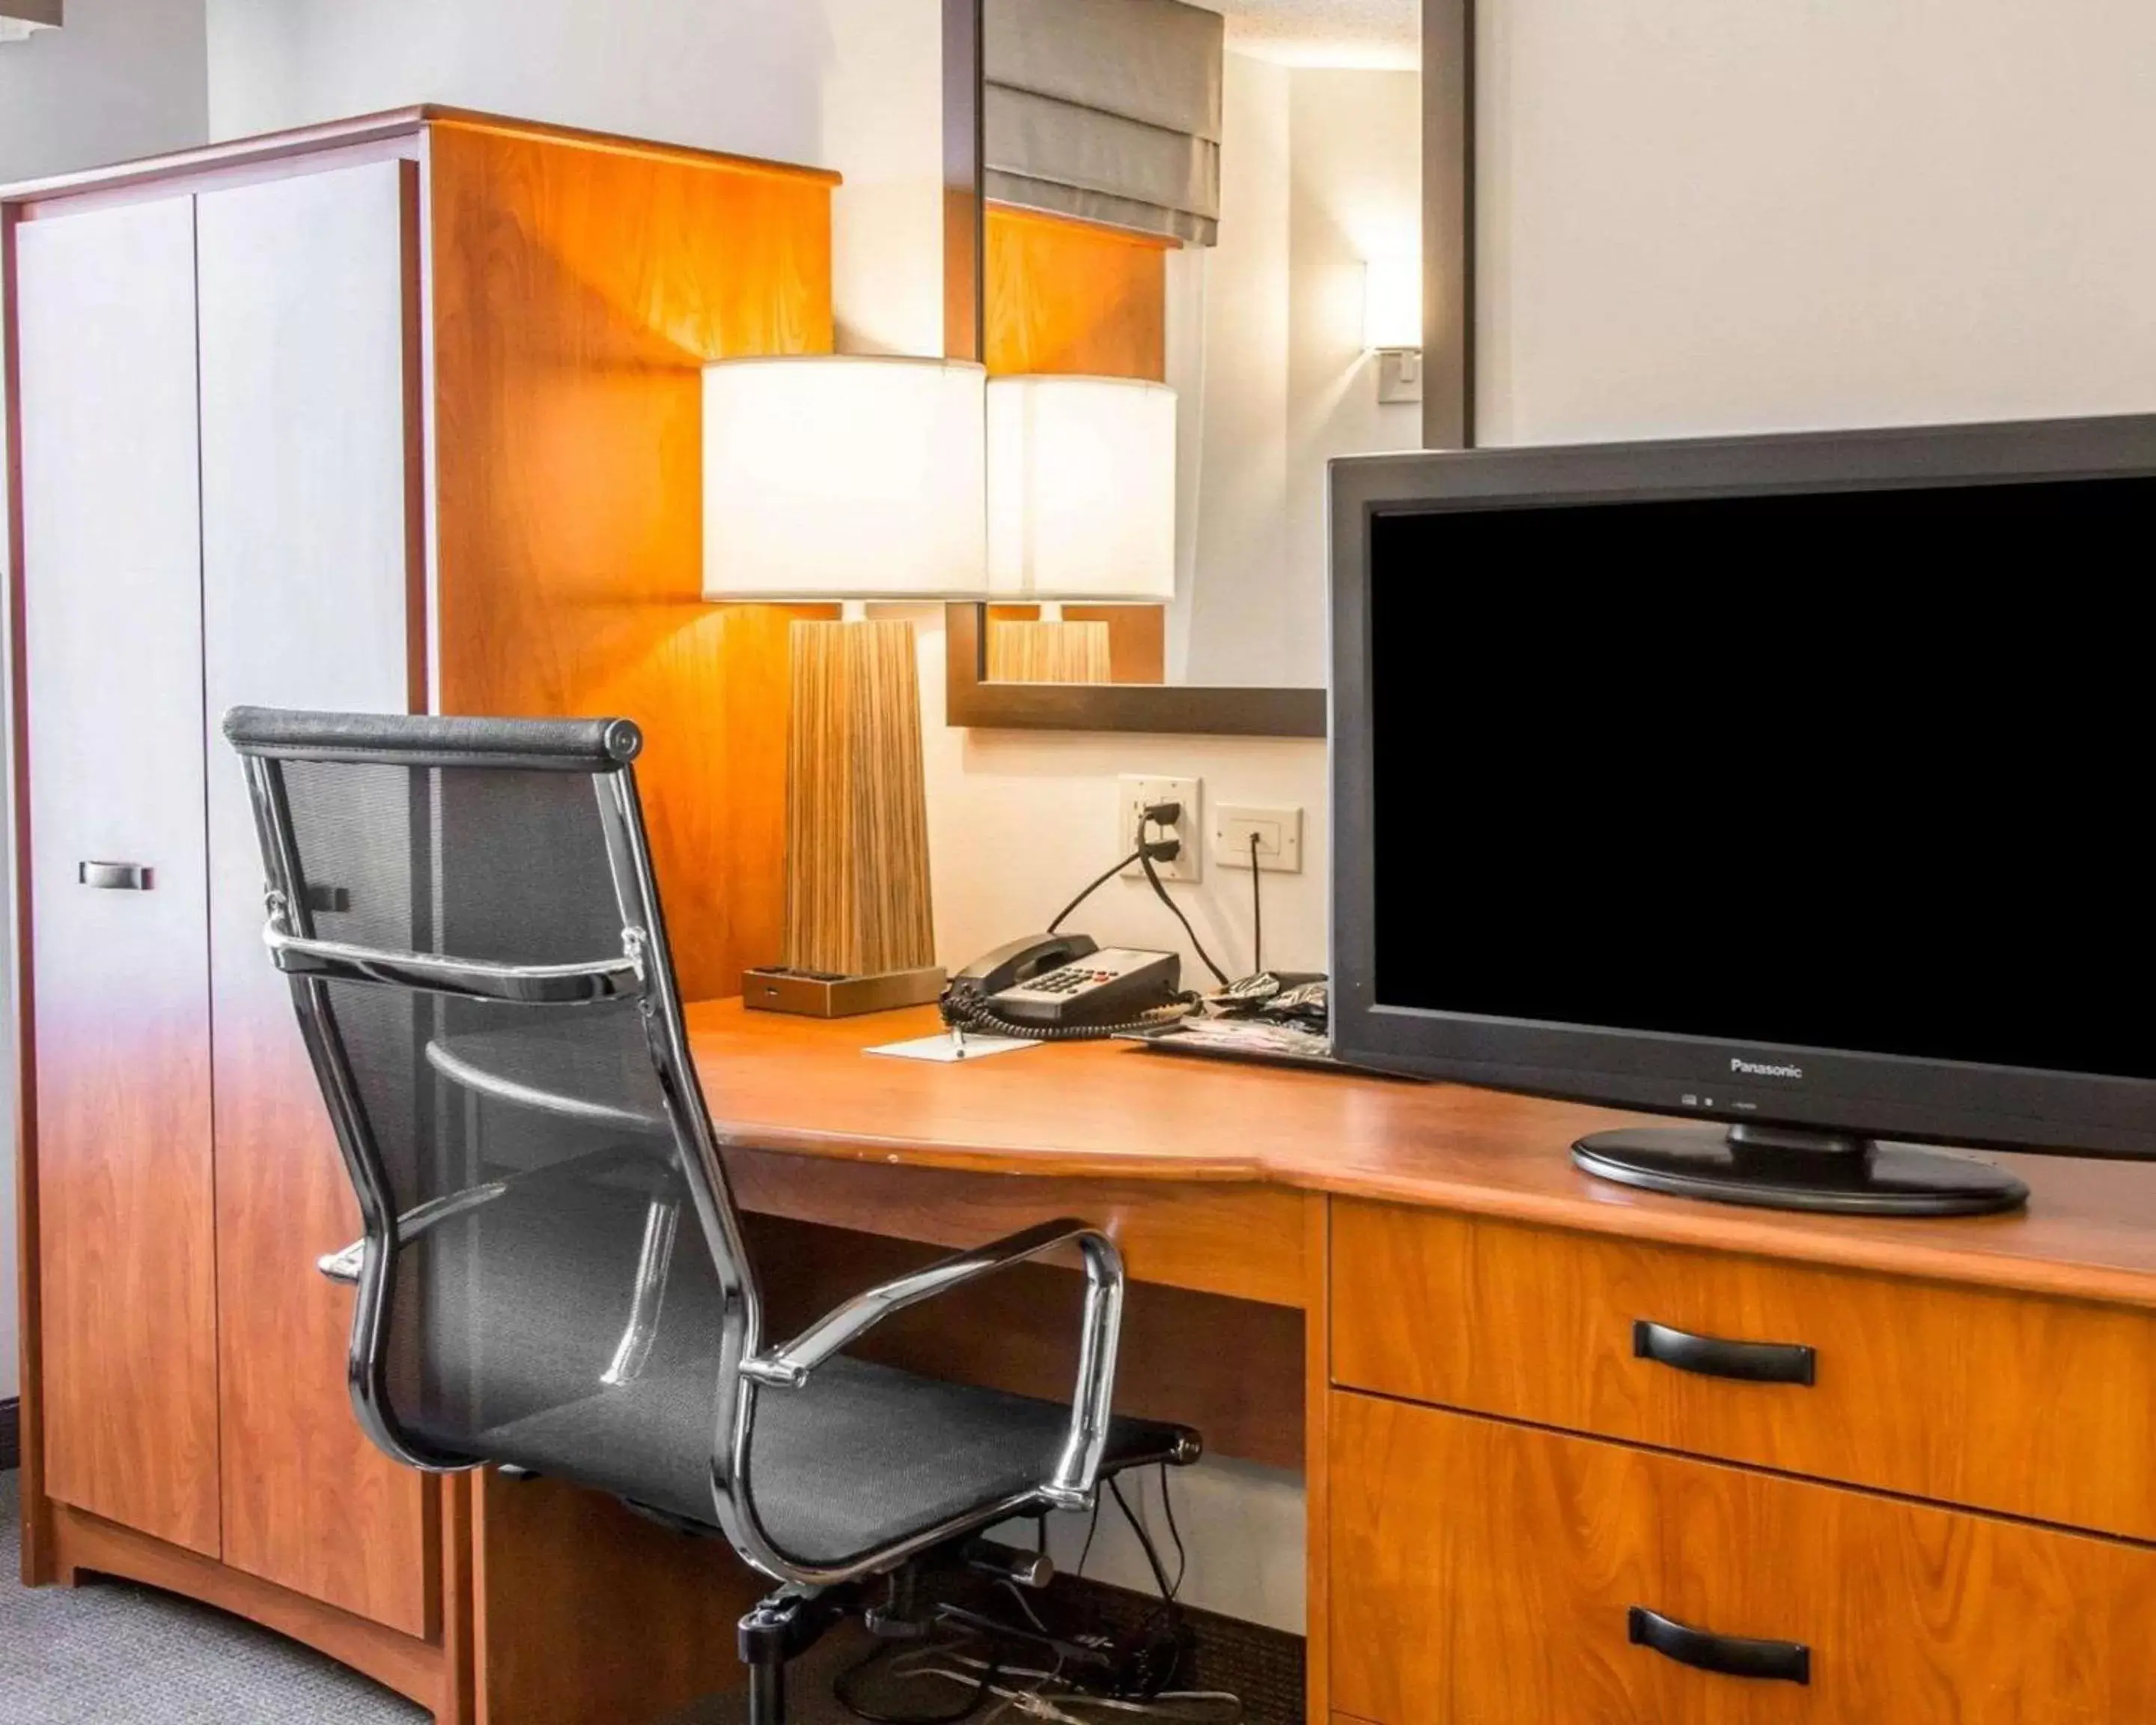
column 781, row 1628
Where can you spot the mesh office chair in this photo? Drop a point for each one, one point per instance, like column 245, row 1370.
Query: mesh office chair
column 552, row 1273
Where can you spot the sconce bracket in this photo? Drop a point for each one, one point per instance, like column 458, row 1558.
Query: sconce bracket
column 1399, row 375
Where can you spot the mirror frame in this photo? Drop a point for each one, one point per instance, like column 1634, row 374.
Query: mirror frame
column 970, row 699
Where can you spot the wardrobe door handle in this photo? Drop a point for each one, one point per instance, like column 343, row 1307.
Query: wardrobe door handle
column 1728, row 1655
column 1710, row 1356
column 114, row 876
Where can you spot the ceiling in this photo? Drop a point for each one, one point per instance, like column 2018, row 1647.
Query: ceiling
column 1325, row 32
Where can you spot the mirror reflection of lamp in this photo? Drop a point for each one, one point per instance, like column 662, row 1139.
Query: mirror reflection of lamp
column 1392, row 325
column 1081, row 511
column 854, row 479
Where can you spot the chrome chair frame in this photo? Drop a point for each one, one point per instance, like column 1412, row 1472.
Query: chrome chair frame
column 603, row 750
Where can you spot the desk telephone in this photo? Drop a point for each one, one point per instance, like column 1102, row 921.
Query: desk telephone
column 1057, row 986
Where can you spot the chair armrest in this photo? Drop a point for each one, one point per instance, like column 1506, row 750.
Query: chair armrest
column 1077, row 1468
column 343, row 1265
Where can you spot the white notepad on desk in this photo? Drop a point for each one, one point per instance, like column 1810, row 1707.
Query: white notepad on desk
column 948, row 1050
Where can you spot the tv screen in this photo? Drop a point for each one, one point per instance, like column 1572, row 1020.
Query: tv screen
column 1866, row 771
column 1793, row 784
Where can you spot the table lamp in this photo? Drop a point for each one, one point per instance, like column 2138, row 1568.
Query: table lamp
column 848, row 478
column 1081, row 509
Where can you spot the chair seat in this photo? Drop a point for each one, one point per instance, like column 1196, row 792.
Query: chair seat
column 864, row 1456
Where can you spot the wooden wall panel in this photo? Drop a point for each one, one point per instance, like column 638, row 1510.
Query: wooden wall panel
column 112, row 720
column 308, row 338
column 1072, row 297
column 588, row 1614
column 578, row 291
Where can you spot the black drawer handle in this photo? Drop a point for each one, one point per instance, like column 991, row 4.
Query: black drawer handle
column 1730, row 1655
column 1710, row 1357
column 114, row 876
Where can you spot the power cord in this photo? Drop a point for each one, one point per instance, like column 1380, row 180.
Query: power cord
column 1257, row 913
column 1174, row 847
column 1166, row 814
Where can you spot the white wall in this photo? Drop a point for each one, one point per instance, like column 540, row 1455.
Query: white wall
column 1227, row 352
column 124, row 78
column 1696, row 217
column 849, row 83
column 1357, row 194
column 1320, row 170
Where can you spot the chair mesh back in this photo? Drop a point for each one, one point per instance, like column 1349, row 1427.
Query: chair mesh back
column 571, row 1261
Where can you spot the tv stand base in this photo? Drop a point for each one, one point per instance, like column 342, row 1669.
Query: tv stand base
column 1777, row 1168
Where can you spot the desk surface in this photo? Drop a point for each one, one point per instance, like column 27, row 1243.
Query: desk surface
column 1114, row 1110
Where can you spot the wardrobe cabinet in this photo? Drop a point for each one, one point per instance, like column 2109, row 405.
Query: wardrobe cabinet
column 396, row 415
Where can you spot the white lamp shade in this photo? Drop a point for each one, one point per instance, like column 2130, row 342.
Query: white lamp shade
column 1081, row 489
column 834, row 477
column 1392, row 304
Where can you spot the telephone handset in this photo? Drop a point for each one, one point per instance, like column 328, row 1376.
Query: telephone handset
column 1056, row 986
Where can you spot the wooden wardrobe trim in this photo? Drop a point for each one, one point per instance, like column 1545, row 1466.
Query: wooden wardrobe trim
column 568, row 548
column 389, row 124
column 38, row 1565
column 84, row 1543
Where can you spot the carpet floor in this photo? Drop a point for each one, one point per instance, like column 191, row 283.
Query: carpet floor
column 109, row 1653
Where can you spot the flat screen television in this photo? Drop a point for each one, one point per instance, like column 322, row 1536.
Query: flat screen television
column 1799, row 787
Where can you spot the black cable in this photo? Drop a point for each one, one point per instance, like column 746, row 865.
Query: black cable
column 1093, row 1528
column 1257, row 929
column 1182, row 1557
column 845, row 1688
column 1145, row 862
column 1145, row 1540
column 1099, row 882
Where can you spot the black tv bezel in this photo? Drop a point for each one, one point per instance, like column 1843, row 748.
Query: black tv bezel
column 1880, row 1096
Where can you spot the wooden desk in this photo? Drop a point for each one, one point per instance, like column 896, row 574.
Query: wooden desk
column 1957, row 1518
column 795, row 1089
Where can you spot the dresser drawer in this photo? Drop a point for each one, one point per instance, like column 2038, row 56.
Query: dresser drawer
column 2034, row 1407
column 1486, row 1573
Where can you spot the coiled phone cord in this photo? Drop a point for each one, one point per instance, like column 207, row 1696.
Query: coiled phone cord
column 964, row 1008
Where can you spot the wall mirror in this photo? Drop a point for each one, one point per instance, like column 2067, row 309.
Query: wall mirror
column 1187, row 241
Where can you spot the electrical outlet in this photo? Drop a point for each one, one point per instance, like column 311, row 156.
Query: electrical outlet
column 1279, row 833
column 1133, row 796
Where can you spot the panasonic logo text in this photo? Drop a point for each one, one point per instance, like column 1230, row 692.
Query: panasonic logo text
column 1760, row 1068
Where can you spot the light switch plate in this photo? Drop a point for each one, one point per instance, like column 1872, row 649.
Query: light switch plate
column 1278, row 833
column 1134, row 794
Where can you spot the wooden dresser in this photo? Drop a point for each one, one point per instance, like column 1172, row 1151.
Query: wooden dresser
column 1557, row 1493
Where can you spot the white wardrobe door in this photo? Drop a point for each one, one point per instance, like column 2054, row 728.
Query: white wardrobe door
column 113, row 644
column 308, row 548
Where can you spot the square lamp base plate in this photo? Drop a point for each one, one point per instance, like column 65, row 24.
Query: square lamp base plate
column 838, row 997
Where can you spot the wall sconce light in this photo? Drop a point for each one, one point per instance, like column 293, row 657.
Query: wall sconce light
column 1392, row 325
column 20, row 18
